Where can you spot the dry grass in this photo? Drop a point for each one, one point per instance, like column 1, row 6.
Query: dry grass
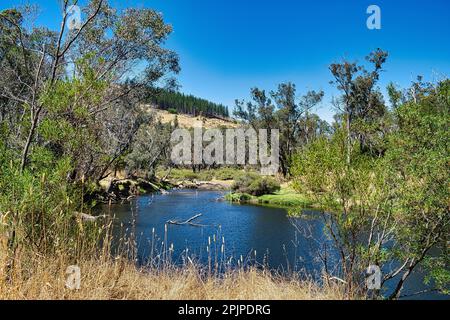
column 42, row 278
column 188, row 121
column 26, row 274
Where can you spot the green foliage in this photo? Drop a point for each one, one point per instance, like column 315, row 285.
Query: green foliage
column 176, row 102
column 361, row 104
column 68, row 128
column 439, row 271
column 255, row 185
column 351, row 198
column 418, row 160
column 76, row 119
column 379, row 208
column 38, row 205
column 238, row 197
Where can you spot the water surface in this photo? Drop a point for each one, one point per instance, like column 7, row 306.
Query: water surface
column 256, row 234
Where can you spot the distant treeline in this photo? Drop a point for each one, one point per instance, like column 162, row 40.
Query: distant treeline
column 188, row 104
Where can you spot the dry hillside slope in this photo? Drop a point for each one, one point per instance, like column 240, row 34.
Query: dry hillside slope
column 188, row 121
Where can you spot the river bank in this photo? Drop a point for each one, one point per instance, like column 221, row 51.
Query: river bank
column 119, row 189
column 119, row 279
column 115, row 190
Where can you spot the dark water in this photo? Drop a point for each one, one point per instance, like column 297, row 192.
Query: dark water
column 255, row 234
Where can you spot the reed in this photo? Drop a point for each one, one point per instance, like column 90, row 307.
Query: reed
column 41, row 236
column 111, row 272
column 38, row 277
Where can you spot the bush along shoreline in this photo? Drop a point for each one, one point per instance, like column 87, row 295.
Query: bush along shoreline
column 261, row 190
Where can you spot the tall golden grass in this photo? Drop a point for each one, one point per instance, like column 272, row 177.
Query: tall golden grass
column 44, row 278
column 37, row 269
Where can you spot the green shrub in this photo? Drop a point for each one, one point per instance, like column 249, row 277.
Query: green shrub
column 264, row 186
column 238, row 197
column 172, row 111
column 255, row 185
column 40, row 204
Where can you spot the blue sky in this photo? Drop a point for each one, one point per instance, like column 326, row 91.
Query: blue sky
column 228, row 46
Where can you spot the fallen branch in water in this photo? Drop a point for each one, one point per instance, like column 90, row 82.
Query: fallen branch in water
column 188, row 221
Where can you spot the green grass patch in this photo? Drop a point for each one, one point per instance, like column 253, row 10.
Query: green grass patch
column 286, row 198
column 239, row 197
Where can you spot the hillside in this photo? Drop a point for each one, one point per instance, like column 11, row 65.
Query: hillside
column 188, row 121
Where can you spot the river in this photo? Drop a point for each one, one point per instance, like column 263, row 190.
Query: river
column 255, row 235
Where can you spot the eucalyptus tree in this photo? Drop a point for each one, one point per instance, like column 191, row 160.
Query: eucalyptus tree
column 361, row 103
column 282, row 110
column 70, row 111
column 95, row 68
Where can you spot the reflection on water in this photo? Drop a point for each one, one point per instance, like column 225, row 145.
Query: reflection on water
column 252, row 233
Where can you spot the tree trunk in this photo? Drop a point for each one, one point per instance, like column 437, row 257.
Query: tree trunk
column 399, row 287
column 26, row 149
column 349, row 147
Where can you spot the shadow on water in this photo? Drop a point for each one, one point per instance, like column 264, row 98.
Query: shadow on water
column 232, row 234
